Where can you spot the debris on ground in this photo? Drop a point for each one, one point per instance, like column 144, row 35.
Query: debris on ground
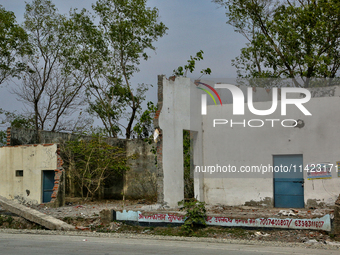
column 258, row 233
column 286, row 213
column 86, row 216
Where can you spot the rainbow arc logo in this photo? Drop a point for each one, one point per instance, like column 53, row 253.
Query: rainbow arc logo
column 208, row 92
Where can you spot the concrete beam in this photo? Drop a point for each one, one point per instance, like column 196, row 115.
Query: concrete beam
column 35, row 216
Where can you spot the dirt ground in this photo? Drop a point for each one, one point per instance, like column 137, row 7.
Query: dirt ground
column 85, row 216
column 76, row 207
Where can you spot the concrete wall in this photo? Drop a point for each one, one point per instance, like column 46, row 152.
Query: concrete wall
column 179, row 97
column 141, row 178
column 317, row 140
column 32, row 159
column 22, row 136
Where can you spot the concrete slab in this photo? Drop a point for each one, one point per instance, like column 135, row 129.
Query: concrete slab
column 34, row 215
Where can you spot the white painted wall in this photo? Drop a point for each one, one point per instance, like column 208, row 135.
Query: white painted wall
column 32, row 159
column 174, row 118
column 318, row 141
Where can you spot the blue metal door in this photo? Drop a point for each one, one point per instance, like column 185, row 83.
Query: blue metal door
column 288, row 182
column 48, row 184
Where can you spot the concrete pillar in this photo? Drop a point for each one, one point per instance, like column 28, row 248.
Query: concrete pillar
column 159, row 146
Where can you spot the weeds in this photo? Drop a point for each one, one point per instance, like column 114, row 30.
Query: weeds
column 195, row 216
column 7, row 219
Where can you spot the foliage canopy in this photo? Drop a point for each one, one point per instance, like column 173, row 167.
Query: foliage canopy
column 287, row 39
column 110, row 55
column 13, row 44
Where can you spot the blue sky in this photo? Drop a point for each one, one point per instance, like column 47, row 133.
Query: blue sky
column 193, row 25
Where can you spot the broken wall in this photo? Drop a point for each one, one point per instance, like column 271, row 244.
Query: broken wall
column 22, row 136
column 31, row 160
column 316, row 139
column 241, row 145
column 176, row 96
column 139, row 181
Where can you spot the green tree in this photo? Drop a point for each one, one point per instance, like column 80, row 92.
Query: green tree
column 287, row 39
column 13, row 45
column 16, row 120
column 90, row 162
column 144, row 127
column 183, row 71
column 13, row 119
column 113, row 50
column 50, row 87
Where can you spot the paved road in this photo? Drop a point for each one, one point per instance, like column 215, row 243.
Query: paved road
column 29, row 244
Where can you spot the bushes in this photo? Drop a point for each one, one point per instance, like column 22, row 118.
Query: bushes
column 89, row 163
column 196, row 215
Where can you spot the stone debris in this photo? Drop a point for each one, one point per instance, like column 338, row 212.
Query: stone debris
column 82, row 228
column 258, row 212
column 259, row 234
column 286, row 213
column 92, row 209
column 89, row 216
column 333, row 243
column 317, row 212
column 115, row 225
column 311, row 241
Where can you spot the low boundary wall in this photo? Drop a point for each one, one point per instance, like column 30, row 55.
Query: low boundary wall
column 139, row 217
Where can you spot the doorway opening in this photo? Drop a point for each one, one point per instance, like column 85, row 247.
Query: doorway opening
column 188, row 164
column 48, row 184
column 288, row 185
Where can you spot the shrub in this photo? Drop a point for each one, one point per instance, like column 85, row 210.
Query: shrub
column 195, row 216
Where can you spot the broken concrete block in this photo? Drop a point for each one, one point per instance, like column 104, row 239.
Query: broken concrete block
column 259, row 234
column 312, row 241
column 286, row 213
column 106, row 216
column 33, row 215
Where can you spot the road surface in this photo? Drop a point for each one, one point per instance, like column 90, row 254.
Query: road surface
column 29, row 244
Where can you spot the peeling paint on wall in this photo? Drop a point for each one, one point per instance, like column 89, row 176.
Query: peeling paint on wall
column 31, row 160
column 266, row 202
